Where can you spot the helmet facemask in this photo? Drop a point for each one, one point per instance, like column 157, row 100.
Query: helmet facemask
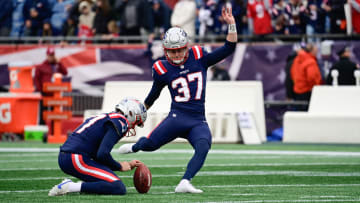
column 177, row 56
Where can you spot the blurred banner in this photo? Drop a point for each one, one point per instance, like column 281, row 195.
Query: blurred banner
column 91, row 66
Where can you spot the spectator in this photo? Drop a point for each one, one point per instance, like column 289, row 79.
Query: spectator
column 69, row 28
column 280, row 25
column 46, row 31
column 316, row 19
column 220, row 26
column 113, row 31
column 336, row 12
column 279, row 17
column 5, row 17
column 355, row 12
column 134, row 15
column 239, row 13
column 44, row 73
column 74, row 11
column 86, row 20
column 161, row 16
column 345, row 67
column 17, row 28
column 102, row 17
column 311, row 14
column 289, row 83
column 184, row 16
column 60, row 12
column 305, row 72
column 295, row 11
column 35, row 12
column 205, row 19
column 258, row 12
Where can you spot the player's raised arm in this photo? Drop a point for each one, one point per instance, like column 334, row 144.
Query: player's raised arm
column 229, row 47
column 230, row 20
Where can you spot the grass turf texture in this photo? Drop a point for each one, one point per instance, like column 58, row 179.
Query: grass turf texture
column 28, row 176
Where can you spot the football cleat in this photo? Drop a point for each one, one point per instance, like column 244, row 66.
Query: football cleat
column 186, row 187
column 126, row 148
column 61, row 188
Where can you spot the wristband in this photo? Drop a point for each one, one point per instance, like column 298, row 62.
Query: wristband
column 232, row 28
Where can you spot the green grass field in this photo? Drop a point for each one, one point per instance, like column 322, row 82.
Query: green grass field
column 232, row 173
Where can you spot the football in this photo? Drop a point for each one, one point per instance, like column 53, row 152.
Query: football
column 142, row 179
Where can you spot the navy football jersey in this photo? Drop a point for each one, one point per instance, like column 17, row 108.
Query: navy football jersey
column 187, row 82
column 87, row 138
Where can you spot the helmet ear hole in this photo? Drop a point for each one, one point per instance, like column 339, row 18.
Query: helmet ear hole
column 130, row 113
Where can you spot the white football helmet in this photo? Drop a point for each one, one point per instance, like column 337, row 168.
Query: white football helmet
column 134, row 111
column 176, row 39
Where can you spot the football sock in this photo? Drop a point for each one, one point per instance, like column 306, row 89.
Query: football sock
column 103, row 187
column 74, row 187
column 144, row 144
column 201, row 149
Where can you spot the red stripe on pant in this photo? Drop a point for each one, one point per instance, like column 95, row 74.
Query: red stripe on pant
column 83, row 168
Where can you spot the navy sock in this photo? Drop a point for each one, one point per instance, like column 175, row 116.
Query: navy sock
column 103, row 187
column 201, row 149
column 144, row 144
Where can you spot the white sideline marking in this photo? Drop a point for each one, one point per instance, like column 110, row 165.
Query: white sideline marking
column 215, row 151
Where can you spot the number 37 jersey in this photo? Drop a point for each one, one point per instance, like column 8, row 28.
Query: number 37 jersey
column 187, row 82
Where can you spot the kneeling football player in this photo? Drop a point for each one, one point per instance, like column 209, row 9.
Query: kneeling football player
column 86, row 152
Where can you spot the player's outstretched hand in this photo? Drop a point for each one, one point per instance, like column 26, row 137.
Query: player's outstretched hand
column 135, row 163
column 227, row 15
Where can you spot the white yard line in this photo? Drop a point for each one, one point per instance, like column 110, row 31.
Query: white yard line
column 144, row 158
column 219, row 173
column 287, row 173
column 292, row 200
column 215, row 151
column 184, row 165
column 221, row 186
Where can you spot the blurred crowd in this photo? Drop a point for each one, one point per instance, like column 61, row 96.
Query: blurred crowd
column 112, row 18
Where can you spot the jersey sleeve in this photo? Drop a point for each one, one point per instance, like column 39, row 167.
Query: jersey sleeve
column 158, row 74
column 103, row 154
column 119, row 122
column 219, row 54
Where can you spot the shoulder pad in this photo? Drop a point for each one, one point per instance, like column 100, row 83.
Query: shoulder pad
column 120, row 122
column 159, row 67
column 198, row 52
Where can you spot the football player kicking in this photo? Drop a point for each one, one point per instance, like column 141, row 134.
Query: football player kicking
column 86, row 152
column 184, row 72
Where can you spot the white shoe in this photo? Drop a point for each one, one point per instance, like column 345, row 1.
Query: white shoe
column 126, row 148
column 186, row 187
column 61, row 188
